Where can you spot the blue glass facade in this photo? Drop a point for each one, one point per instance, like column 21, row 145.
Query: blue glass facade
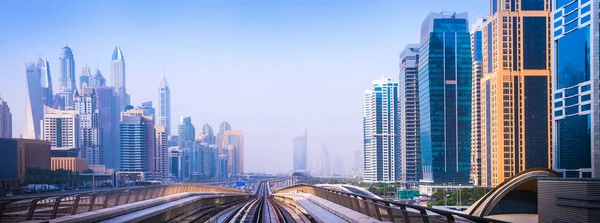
column 445, row 69
column 575, row 87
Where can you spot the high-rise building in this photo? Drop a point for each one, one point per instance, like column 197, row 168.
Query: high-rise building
column 234, row 142
column 46, row 82
column 515, row 88
column 479, row 158
column 164, row 104
column 299, row 150
column 148, row 109
column 186, row 130
column 90, row 129
column 34, row 110
column 161, row 167
column 20, row 154
column 107, row 104
column 61, row 128
column 136, row 136
column 575, row 81
column 67, row 81
column 409, row 154
column 220, row 139
column 206, row 135
column 119, row 77
column 380, row 132
column 445, row 98
column 5, row 120
column 85, row 78
column 98, row 80
column 324, row 163
column 175, row 162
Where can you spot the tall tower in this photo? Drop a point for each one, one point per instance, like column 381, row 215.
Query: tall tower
column 516, row 88
column 90, row 130
column 380, row 131
column 5, row 120
column 299, row 151
column 34, row 110
column 119, row 77
column 186, row 130
column 46, row 82
column 575, row 78
column 479, row 158
column 67, row 78
column 107, row 104
column 207, row 134
column 161, row 163
column 86, row 79
column 164, row 104
column 234, row 148
column 220, row 137
column 409, row 160
column 445, row 98
column 98, row 80
column 137, row 137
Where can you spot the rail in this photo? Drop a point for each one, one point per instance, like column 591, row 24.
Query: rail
column 386, row 210
column 54, row 206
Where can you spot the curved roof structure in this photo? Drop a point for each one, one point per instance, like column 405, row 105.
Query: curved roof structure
column 517, row 195
column 66, row 51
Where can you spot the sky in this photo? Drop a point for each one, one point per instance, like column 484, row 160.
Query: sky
column 271, row 68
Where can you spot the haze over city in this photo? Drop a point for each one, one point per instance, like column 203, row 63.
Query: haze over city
column 271, row 68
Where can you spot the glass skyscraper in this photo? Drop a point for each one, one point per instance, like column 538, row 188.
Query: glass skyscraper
column 445, row 98
column 576, row 80
column 164, row 104
column 409, row 160
column 119, row 77
column 299, row 152
column 380, row 132
column 67, row 82
column 34, row 110
column 137, row 141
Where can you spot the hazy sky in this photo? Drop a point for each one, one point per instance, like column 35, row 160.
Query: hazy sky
column 270, row 68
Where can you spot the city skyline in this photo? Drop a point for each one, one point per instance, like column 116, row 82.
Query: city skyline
column 206, row 62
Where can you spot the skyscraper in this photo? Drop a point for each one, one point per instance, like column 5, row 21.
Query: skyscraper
column 207, row 134
column 186, row 130
column 46, row 82
column 380, row 132
column 85, row 79
column 107, row 105
column 220, row 139
column 478, row 157
column 60, row 127
column 90, row 129
column 119, row 77
column 445, row 98
column 161, row 163
column 137, row 138
column 299, row 151
column 164, row 104
column 148, row 109
column 234, row 148
column 325, row 162
column 5, row 120
column 34, row 110
column 67, row 78
column 515, row 88
column 409, row 159
column 575, row 79
column 175, row 162
column 98, row 80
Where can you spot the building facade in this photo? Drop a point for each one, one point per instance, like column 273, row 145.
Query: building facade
column 67, row 81
column 119, row 80
column 75, row 164
column 175, row 162
column 34, row 106
column 479, row 158
column 136, row 137
column 90, row 129
column 515, row 88
column 445, row 98
column 164, row 104
column 299, row 150
column 61, row 128
column 380, row 131
column 5, row 120
column 46, row 82
column 186, row 130
column 409, row 159
column 575, row 87
column 234, row 139
column 161, row 167
column 17, row 155
column 107, row 104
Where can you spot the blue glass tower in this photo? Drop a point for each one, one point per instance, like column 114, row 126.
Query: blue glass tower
column 576, row 80
column 445, row 98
